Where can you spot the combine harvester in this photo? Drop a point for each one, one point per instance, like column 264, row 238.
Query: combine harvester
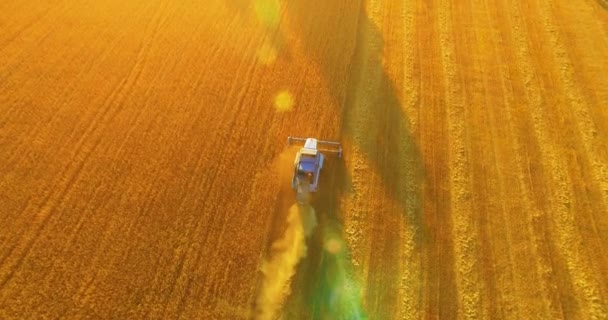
column 308, row 165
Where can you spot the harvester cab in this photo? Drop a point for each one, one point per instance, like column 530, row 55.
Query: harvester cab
column 308, row 164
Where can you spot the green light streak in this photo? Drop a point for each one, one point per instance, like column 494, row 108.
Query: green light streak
column 337, row 294
column 268, row 12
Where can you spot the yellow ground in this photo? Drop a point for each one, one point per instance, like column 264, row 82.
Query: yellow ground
column 140, row 142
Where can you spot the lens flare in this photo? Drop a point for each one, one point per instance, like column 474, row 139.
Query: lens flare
column 283, row 101
column 267, row 53
column 333, row 246
column 338, row 295
column 268, row 12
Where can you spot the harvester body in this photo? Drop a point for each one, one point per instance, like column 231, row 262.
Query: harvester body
column 308, row 164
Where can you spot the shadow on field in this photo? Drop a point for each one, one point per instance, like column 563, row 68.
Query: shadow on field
column 372, row 115
column 374, row 122
column 325, row 285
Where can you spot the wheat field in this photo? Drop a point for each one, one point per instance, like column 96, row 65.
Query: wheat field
column 144, row 171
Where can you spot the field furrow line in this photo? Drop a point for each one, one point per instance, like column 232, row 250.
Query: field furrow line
column 222, row 166
column 78, row 231
column 560, row 196
column 465, row 236
column 590, row 14
column 358, row 106
column 43, row 218
column 137, row 68
column 151, row 190
column 586, row 60
column 543, row 307
column 131, row 79
column 63, row 101
column 488, row 163
column 489, row 195
column 438, row 294
column 72, row 172
column 586, row 126
column 410, row 268
column 594, row 148
column 590, row 119
column 37, row 19
column 106, row 247
column 145, row 49
column 11, row 64
column 15, row 91
column 533, row 99
column 192, row 88
column 23, row 29
column 146, row 95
